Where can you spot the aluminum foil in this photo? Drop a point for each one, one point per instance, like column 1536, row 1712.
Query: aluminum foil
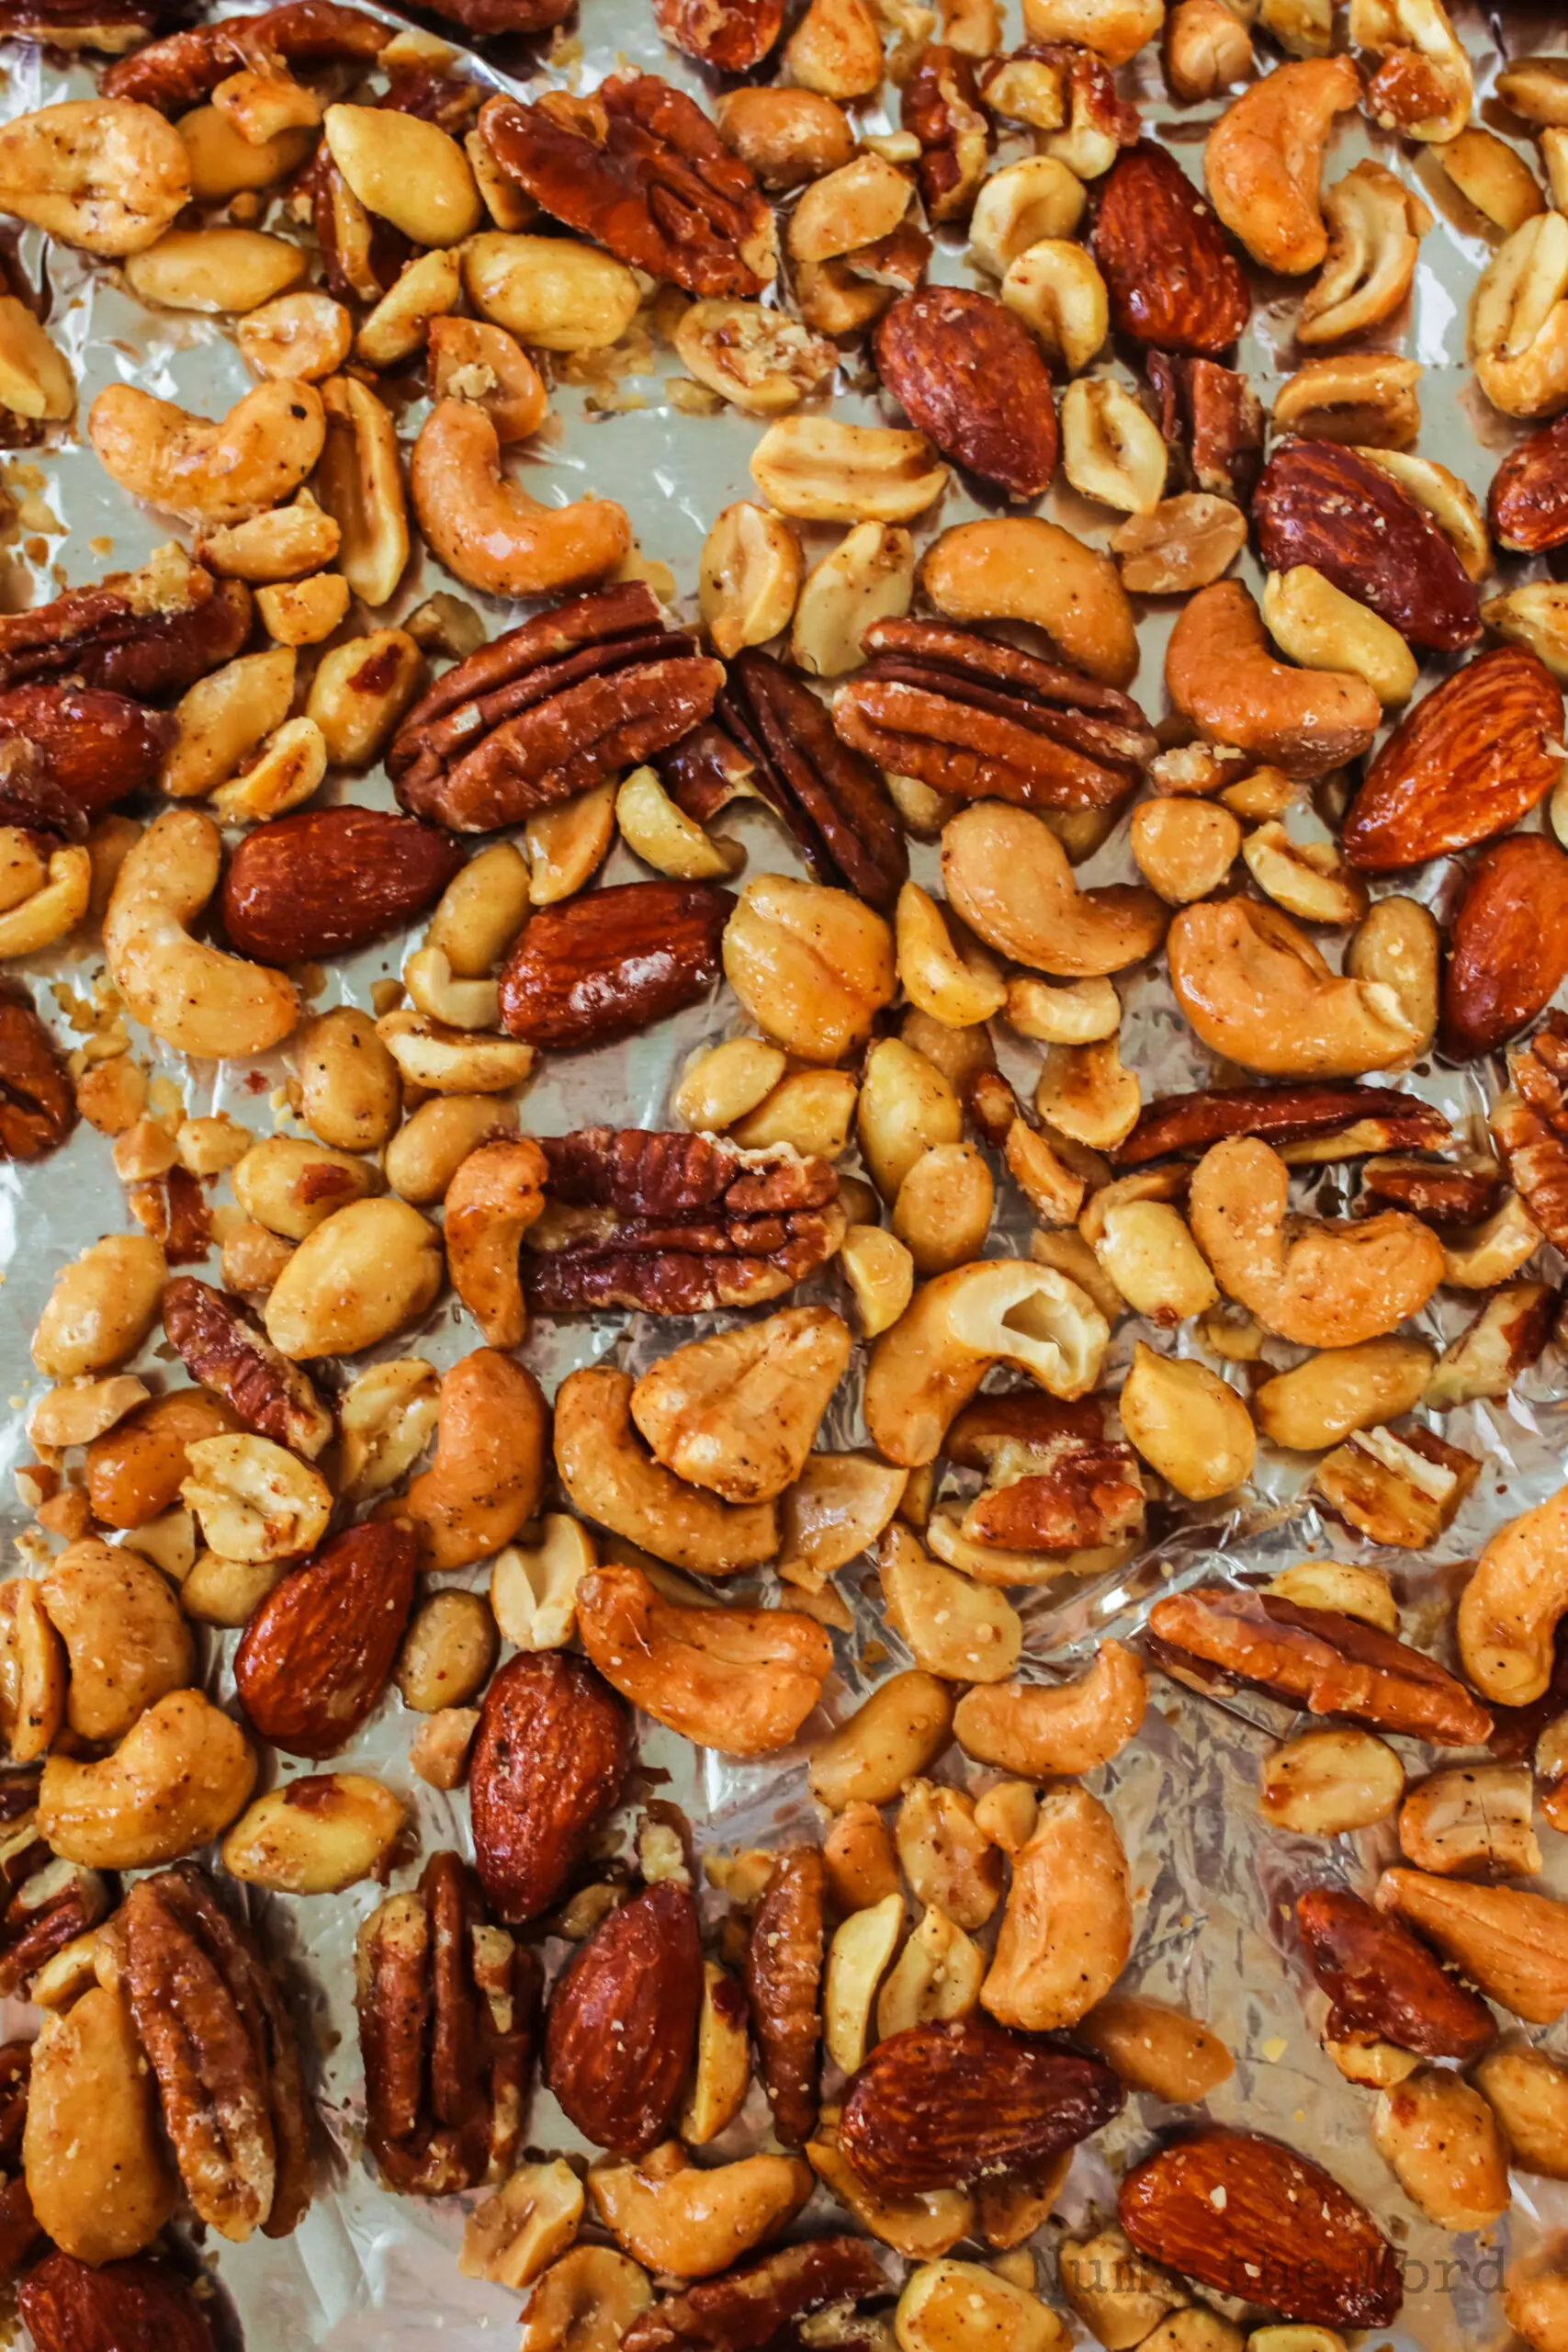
column 369, row 2268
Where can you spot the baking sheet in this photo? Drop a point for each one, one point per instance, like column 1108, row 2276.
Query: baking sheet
column 369, row 2268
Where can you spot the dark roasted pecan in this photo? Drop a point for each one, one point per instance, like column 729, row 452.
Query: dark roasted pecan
column 52, row 1905
column 148, row 632
column 639, row 167
column 783, row 1982
column 1321, row 504
column 1383, row 1980
column 970, row 376
column 1401, row 1491
column 729, row 35
column 1054, row 1480
column 223, row 1349
column 37, row 1109
column 1171, row 269
column 1212, row 417
column 940, row 2105
column 174, row 1210
column 1357, row 1118
column 1441, row 1193
column 984, row 720
column 547, row 709
column 746, row 2309
column 329, row 880
column 1528, row 502
column 1329, row 1664
column 940, row 105
column 610, row 962
column 136, row 2306
column 622, row 2029
column 1473, row 756
column 85, row 748
column 446, row 2005
column 1530, row 1127
column 675, row 1224
column 317, row 1653
column 553, row 1749
column 1508, row 946
column 180, row 70
column 771, row 733
column 225, row 2053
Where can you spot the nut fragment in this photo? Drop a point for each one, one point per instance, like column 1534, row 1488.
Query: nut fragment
column 1112, row 448
column 104, row 174
column 1325, row 1783
column 818, row 471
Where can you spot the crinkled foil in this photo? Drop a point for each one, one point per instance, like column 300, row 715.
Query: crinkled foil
column 366, row 2268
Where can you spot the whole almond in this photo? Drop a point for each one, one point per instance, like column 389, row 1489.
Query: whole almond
column 330, row 880
column 1468, row 762
column 1320, row 504
column 1171, row 271
column 1527, row 503
column 940, row 2105
column 137, row 2306
column 623, row 2021
column 317, row 1654
column 1508, row 947
column 1383, row 1980
column 971, row 378
column 611, row 962
column 553, row 1747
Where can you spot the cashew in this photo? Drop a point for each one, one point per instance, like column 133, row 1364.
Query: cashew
column 674, row 2217
column 1120, row 2296
column 1112, row 448
column 1220, row 673
column 255, row 458
column 953, row 979
column 1187, row 1424
column 489, row 1469
column 1332, row 1285
column 738, row 1413
column 612, row 1480
column 1528, row 2092
column 1023, row 205
column 488, row 532
column 470, row 359
column 869, row 576
column 1183, row 848
column 1067, row 1930
column 125, row 1639
column 33, row 1669
column 519, row 2231
column 190, row 994
column 1055, row 286
column 1263, row 160
column 1008, row 878
column 103, row 173
column 1376, row 225
column 307, row 336
column 101, row 1306
column 836, row 1508
column 738, row 1680
column 496, row 1195
column 586, row 2300
column 1001, row 1310
column 1356, row 396
column 917, row 2226
column 1041, row 1729
column 1257, row 990
column 1020, row 568
column 898, row 1732
column 405, row 170
column 1447, row 2147
column 1472, row 1822
column 1157, row 2050
column 659, row 830
column 1085, row 1094
column 1509, row 1610
column 180, row 1775
column 98, row 2176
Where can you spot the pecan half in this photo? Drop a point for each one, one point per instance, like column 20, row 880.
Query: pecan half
column 547, row 709
column 752, row 2308
column 446, row 2005
column 1364, row 1118
column 1397, row 1490
column 1329, row 1664
column 173, row 1209
column 675, row 1224
column 769, row 733
column 1527, row 503
column 970, row 376
column 181, row 69
column 639, row 168
column 1171, row 271
column 38, row 1108
column 1321, row 504
column 784, row 1981
column 729, row 35
column 1530, row 1127
column 55, row 1902
column 940, row 105
column 612, row 961
column 1443, row 1195
column 83, row 749
column 1054, row 1481
column 225, row 2052
column 144, row 633
column 1383, row 1980
column 223, row 1349
column 981, row 720
column 1212, row 417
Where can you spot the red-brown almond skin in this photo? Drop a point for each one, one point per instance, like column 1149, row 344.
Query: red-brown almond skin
column 330, row 880
column 939, row 2105
column 1508, row 946
column 1247, row 2216
column 553, row 1747
column 1172, row 275
column 972, row 380
column 1472, row 759
column 1384, row 1981
column 94, row 747
column 137, row 2306
column 1527, row 503
column 623, row 2021
column 315, row 1656
column 1318, row 503
column 612, row 962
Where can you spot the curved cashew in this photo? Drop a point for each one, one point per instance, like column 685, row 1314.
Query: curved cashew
column 1000, row 1310
column 1020, row 568
column 1376, row 226
column 182, row 1773
column 1039, row 1729
column 1334, row 1286
column 690, row 2221
column 613, row 1480
column 1508, row 1612
column 489, row 1470
column 487, row 530
column 104, row 174
column 1008, row 878
column 193, row 996
column 251, row 460
column 1256, row 990
column 739, row 1680
column 1220, row 672
column 53, row 910
column 496, row 1195
column 1263, row 160
column 1067, row 1930
column 1519, row 319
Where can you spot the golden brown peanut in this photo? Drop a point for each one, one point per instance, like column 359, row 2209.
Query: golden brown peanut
column 447, row 1652
column 552, row 293
column 316, row 1835
column 947, row 2304
column 405, row 170
column 812, row 966
column 358, row 1277
column 134, row 1470
column 1324, row 1783
column 1447, row 2147
column 1319, row 1402
column 949, row 1861
column 1528, row 2092
column 670, row 2214
column 215, row 269
column 1187, row 1424
column 349, row 1093
column 858, row 1855
column 1157, row 2049
column 101, row 1307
